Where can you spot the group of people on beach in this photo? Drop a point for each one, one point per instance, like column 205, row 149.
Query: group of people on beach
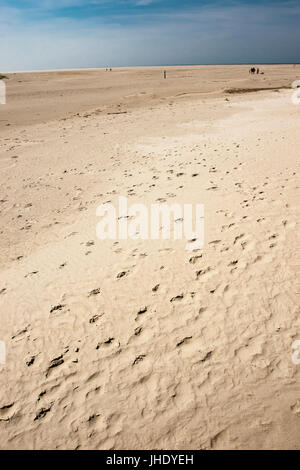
column 254, row 71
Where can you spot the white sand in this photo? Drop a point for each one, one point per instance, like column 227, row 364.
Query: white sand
column 208, row 364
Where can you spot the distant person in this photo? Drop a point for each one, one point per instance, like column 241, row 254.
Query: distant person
column 257, row 71
column 165, row 74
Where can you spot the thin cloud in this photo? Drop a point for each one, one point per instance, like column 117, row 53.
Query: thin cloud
column 207, row 34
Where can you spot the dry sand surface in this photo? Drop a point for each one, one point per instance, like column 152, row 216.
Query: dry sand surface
column 141, row 344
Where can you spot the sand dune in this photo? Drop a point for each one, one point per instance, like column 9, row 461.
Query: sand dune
column 141, row 344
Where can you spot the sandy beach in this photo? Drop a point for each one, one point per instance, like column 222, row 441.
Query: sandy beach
column 142, row 344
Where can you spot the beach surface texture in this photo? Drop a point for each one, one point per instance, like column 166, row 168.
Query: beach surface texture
column 141, row 343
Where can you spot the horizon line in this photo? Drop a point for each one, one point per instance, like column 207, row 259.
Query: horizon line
column 149, row 66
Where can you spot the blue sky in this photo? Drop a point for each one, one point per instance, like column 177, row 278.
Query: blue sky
column 50, row 34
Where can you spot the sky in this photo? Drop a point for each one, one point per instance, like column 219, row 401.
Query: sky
column 61, row 34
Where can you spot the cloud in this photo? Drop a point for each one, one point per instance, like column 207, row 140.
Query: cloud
column 214, row 33
column 144, row 2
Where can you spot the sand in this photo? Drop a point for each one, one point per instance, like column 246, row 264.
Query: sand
column 141, row 344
